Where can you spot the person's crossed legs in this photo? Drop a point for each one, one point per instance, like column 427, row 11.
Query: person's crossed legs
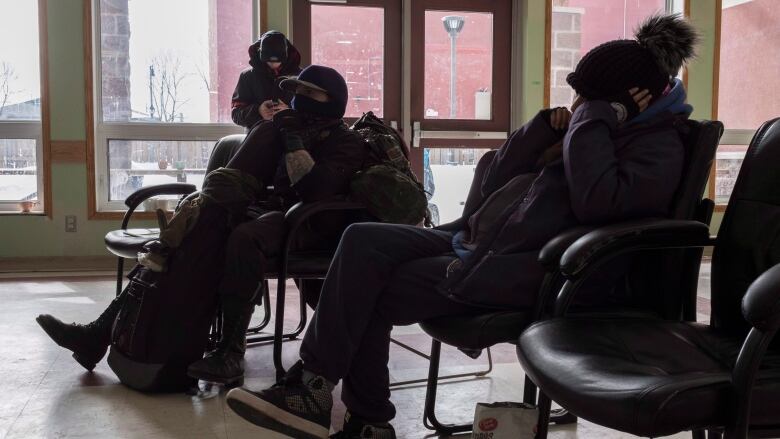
column 382, row 275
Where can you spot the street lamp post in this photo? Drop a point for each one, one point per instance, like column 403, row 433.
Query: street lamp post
column 453, row 24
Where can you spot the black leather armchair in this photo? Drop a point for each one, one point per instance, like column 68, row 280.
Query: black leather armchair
column 654, row 376
column 474, row 333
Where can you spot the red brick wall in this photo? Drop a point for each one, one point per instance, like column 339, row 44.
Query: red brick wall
column 230, row 33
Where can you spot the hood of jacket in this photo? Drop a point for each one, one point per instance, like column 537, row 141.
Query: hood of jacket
column 290, row 67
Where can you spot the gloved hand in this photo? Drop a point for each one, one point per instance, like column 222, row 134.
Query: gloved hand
column 288, row 120
column 629, row 104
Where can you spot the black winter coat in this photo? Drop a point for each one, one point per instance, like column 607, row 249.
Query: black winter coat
column 607, row 174
column 259, row 83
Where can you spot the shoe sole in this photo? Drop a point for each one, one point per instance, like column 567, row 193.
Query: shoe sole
column 86, row 364
column 266, row 415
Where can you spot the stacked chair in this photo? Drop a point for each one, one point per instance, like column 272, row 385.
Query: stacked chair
column 659, row 375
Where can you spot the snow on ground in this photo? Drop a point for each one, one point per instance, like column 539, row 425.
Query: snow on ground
column 452, row 188
column 17, row 187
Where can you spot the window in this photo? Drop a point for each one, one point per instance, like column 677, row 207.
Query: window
column 748, row 82
column 580, row 25
column 163, row 88
column 448, row 173
column 458, row 64
column 351, row 40
column 21, row 140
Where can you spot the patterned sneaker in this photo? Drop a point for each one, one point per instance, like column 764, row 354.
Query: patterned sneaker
column 291, row 407
column 356, row 428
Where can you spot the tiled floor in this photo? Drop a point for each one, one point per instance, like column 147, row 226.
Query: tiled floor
column 48, row 395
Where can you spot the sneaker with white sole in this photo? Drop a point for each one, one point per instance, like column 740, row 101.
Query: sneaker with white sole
column 291, row 407
column 357, row 428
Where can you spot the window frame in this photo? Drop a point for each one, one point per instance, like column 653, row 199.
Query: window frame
column 38, row 130
column 392, row 86
column 731, row 136
column 99, row 132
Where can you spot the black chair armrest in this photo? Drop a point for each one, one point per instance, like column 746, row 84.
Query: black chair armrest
column 599, row 246
column 761, row 303
column 137, row 197
column 761, row 308
column 608, row 242
column 301, row 211
column 550, row 255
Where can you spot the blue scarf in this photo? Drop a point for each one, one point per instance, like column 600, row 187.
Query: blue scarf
column 674, row 102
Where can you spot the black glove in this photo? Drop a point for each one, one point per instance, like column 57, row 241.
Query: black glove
column 288, row 120
column 625, row 106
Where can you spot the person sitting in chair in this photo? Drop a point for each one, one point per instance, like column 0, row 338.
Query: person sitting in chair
column 306, row 153
column 617, row 155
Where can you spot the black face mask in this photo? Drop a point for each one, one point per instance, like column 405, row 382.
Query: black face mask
column 330, row 109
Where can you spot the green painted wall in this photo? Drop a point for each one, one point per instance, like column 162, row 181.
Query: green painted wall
column 40, row 236
column 23, row 236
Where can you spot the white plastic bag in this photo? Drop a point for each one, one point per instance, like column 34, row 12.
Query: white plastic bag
column 504, row 420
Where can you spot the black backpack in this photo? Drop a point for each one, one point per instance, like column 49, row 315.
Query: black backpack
column 387, row 185
column 164, row 322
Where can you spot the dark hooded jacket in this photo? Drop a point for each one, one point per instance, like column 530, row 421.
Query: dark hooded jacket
column 608, row 173
column 260, row 83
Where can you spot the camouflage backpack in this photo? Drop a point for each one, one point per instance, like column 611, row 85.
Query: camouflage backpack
column 387, row 186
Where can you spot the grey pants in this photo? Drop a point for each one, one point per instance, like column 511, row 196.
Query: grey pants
column 382, row 275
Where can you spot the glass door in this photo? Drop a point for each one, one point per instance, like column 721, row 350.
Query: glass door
column 358, row 38
column 460, row 93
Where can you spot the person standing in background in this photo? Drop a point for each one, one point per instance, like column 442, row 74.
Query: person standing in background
column 257, row 96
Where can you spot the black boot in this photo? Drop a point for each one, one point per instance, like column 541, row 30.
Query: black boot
column 225, row 364
column 89, row 342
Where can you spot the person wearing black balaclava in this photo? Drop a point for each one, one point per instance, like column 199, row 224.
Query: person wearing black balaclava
column 306, row 153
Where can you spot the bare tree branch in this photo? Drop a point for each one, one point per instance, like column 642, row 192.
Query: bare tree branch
column 7, row 75
column 166, row 86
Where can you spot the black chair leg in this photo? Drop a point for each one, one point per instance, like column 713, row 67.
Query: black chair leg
column 711, row 434
column 281, row 285
column 699, row 434
column 266, row 312
column 120, row 265
column 303, row 318
column 429, row 418
column 543, row 424
column 529, row 391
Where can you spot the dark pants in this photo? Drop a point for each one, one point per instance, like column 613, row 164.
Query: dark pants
column 382, row 275
column 251, row 243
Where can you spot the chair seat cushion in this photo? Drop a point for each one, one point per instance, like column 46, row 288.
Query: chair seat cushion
column 642, row 375
column 478, row 331
column 127, row 243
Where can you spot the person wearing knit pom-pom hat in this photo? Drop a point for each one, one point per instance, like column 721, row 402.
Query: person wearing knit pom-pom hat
column 616, row 156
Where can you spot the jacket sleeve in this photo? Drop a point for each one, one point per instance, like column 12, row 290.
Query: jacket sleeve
column 333, row 169
column 519, row 153
column 603, row 187
column 245, row 104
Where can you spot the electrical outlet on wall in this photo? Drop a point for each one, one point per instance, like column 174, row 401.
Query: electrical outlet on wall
column 70, row 223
